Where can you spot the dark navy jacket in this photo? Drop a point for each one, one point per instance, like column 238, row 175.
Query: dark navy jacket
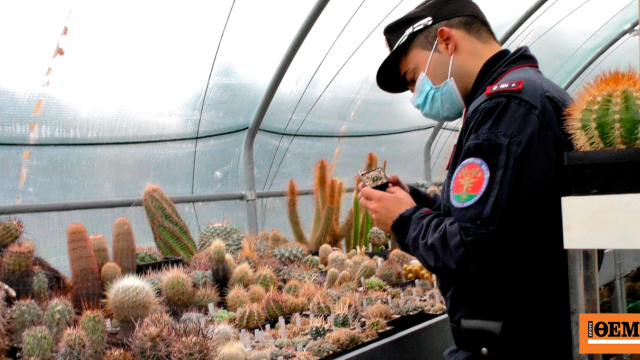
column 502, row 258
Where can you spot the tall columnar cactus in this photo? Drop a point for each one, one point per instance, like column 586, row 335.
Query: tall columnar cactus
column 10, row 232
column 109, row 273
column 40, row 285
column 74, row 345
column 606, row 112
column 130, row 299
column 326, row 227
column 38, row 344
column 177, row 289
column 87, row 288
column 100, row 249
column 58, row 316
column 16, row 268
column 220, row 269
column 124, row 246
column 93, row 324
column 169, row 230
column 23, row 315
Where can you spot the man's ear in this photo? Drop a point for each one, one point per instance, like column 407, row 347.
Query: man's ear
column 447, row 41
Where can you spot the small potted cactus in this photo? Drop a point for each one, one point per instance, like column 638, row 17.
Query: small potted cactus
column 604, row 124
column 375, row 178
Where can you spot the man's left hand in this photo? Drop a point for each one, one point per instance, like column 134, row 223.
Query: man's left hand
column 385, row 206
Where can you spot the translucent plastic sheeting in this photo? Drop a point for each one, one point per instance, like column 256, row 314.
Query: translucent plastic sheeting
column 623, row 55
column 565, row 34
column 128, row 72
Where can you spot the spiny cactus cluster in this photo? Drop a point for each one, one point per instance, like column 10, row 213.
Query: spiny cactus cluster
column 222, row 231
column 148, row 255
column 10, row 232
column 130, row 299
column 289, row 254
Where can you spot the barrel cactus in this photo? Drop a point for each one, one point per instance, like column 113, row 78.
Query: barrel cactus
column 130, row 299
column 289, row 254
column 177, row 289
column 606, row 112
column 274, row 304
column 222, row 231
column 250, row 316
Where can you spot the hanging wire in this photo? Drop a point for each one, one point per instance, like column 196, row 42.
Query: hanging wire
column 596, row 66
column 330, row 82
column 561, row 20
column 513, row 38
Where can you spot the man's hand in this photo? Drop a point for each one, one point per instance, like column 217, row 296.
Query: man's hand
column 383, row 206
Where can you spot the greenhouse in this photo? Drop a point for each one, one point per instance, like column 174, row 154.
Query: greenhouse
column 212, row 154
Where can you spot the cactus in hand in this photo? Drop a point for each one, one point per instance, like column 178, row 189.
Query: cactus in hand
column 24, row 314
column 130, row 299
column 38, row 344
column 10, row 232
column 220, row 268
column 124, row 246
column 221, row 231
column 93, row 325
column 58, row 316
column 16, row 268
column 169, row 230
column 250, row 316
column 110, row 272
column 606, row 112
column 87, row 287
column 100, row 249
column 74, row 345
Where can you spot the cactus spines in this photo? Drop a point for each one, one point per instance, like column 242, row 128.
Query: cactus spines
column 232, row 351
column 310, row 262
column 380, row 311
column 250, row 316
column 374, row 283
column 93, row 325
column 256, row 293
column 170, row 232
column 147, row 255
column 221, row 231
column 266, row 278
column 377, row 237
column 338, row 260
column 390, row 272
column 318, row 329
column 204, row 296
column 191, row 323
column 323, row 253
column 110, row 272
column 38, row 344
column 40, row 285
column 16, row 268
column 237, row 297
column 400, row 257
column 320, row 307
column 74, row 345
column 100, row 249
column 343, row 278
column 344, row 338
column 177, row 289
column 274, row 305
column 58, row 316
column 220, row 268
column 223, row 334
column 10, row 232
column 341, row 320
column 152, row 342
column 366, row 270
column 289, row 254
column 320, row 348
column 242, row 275
column 191, row 347
column 117, row 354
column 606, row 112
column 130, row 299
column 293, row 287
column 24, row 314
column 332, row 278
column 124, row 246
column 87, row 287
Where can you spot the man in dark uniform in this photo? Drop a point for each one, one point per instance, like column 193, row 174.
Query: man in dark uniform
column 494, row 236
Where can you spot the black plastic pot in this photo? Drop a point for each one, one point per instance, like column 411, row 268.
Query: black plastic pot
column 603, row 172
column 158, row 265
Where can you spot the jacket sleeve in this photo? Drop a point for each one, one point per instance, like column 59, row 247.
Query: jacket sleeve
column 447, row 242
column 424, row 199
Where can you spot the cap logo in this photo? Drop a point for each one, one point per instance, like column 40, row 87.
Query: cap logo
column 415, row 27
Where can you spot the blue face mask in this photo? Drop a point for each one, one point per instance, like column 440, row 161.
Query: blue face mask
column 440, row 103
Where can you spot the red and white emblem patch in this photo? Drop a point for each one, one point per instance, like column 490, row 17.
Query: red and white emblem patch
column 508, row 86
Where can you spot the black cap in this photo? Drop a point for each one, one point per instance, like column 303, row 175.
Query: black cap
column 401, row 32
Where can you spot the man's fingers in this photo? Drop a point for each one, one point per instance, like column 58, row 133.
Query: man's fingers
column 369, row 193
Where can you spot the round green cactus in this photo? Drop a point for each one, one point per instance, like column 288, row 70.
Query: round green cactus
column 38, row 343
column 250, row 316
column 341, row 320
column 237, row 297
column 58, row 316
column 242, row 275
column 375, row 283
column 177, row 289
column 24, row 314
column 74, row 345
column 366, row 270
column 130, row 299
column 224, row 232
column 274, row 305
column 148, row 255
column 93, row 324
column 266, row 278
column 311, row 262
column 289, row 254
column 205, row 296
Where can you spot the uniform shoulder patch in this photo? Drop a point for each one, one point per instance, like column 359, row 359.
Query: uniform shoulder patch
column 506, row 86
column 469, row 182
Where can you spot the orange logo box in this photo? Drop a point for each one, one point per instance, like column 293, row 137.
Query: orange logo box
column 609, row 333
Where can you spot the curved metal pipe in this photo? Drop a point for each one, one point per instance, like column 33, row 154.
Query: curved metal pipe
column 523, row 19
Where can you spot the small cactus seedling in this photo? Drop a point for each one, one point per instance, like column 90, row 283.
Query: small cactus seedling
column 58, row 316
column 376, row 324
column 74, row 345
column 606, row 112
column 250, row 316
column 237, row 297
column 130, row 299
column 93, row 324
column 38, row 343
column 24, row 314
